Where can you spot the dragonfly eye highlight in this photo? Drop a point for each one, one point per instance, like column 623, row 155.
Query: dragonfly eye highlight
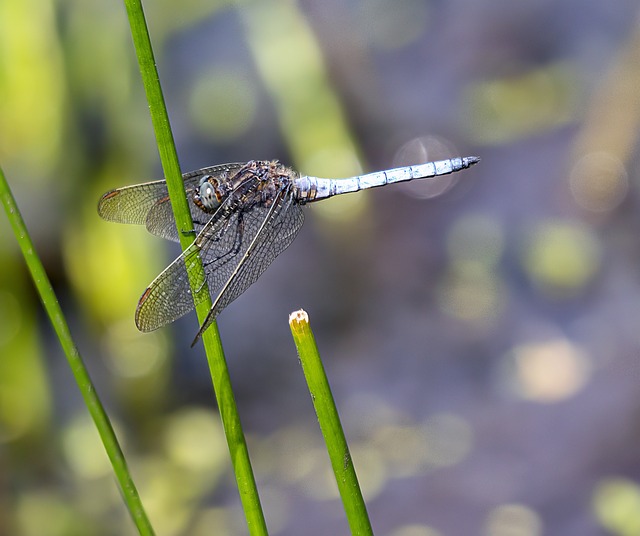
column 206, row 196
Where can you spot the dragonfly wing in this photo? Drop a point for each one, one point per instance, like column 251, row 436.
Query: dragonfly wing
column 131, row 204
column 148, row 204
column 272, row 232
column 221, row 240
column 169, row 296
column 235, row 248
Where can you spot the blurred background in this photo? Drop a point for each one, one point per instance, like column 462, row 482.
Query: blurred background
column 480, row 332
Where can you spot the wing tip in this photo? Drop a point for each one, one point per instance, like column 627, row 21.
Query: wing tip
column 142, row 324
column 208, row 321
column 103, row 204
column 196, row 338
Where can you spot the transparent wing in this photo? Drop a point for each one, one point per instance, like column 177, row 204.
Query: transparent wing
column 277, row 232
column 169, row 295
column 131, row 204
column 148, row 204
column 222, row 245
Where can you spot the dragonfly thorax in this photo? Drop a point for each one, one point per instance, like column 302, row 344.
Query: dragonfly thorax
column 206, row 196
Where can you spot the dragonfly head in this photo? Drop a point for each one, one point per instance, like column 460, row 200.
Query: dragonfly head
column 206, row 195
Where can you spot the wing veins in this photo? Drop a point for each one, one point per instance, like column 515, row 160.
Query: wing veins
column 268, row 223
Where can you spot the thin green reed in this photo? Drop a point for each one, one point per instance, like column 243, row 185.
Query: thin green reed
column 211, row 338
column 80, row 373
column 329, row 420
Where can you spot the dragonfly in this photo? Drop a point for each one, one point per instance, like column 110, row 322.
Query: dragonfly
column 244, row 215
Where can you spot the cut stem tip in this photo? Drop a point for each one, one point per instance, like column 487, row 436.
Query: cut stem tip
column 298, row 317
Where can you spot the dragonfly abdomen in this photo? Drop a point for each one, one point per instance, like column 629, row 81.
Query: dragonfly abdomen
column 310, row 189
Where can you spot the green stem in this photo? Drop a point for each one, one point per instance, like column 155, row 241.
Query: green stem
column 74, row 359
column 329, row 421
column 211, row 337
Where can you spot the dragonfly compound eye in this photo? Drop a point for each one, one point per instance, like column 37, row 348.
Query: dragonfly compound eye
column 206, row 194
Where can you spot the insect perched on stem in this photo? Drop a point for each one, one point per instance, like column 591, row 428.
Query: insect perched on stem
column 245, row 215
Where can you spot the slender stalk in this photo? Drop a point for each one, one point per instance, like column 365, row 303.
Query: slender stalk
column 329, row 421
column 211, row 338
column 80, row 373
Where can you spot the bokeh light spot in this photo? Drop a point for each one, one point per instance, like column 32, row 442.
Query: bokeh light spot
column 371, row 468
column 561, row 257
column 599, row 181
column 213, row 517
column 547, row 372
column 513, row 520
column 402, row 447
column 194, row 440
column 132, row 354
column 170, row 492
column 415, row 530
column 320, row 485
column 83, row 450
column 616, row 502
column 44, row 513
column 475, row 296
column 421, row 150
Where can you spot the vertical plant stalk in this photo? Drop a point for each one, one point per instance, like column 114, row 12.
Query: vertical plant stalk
column 329, row 421
column 211, row 337
column 80, row 373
